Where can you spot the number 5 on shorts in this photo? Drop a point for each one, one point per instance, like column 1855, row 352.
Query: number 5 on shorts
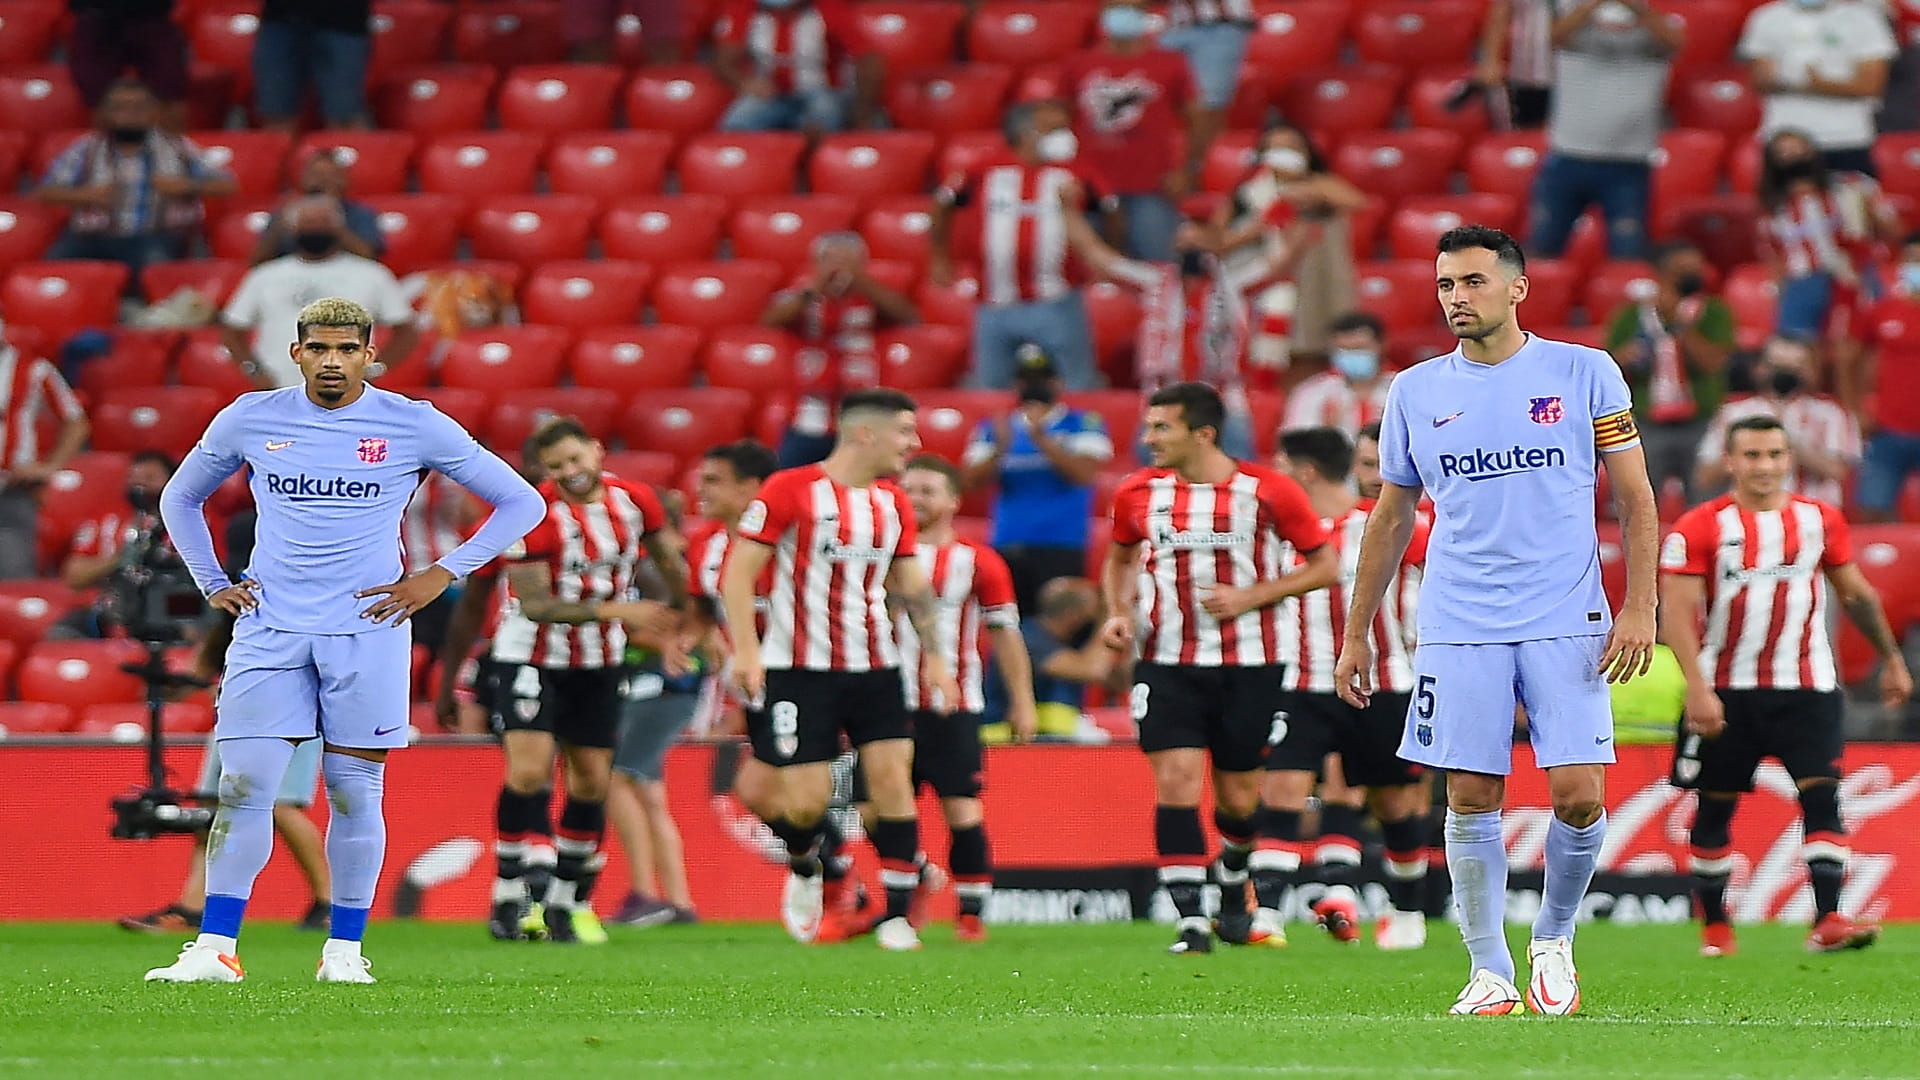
column 1423, row 701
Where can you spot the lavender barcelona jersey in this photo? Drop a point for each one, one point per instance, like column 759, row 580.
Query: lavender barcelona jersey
column 1509, row 453
column 330, row 486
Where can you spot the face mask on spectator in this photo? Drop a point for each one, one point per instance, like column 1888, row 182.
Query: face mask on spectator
column 1910, row 276
column 1357, row 364
column 1284, row 159
column 779, row 4
column 1040, row 390
column 1057, row 146
column 1124, row 23
column 128, row 135
column 1690, row 283
column 316, row 243
column 1811, row 5
column 145, row 500
column 1193, row 264
column 1785, row 382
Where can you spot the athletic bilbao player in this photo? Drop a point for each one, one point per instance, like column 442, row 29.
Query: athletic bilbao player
column 1214, row 639
column 840, row 538
column 1753, row 565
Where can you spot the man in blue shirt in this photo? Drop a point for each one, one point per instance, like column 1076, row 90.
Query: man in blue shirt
column 1045, row 457
column 320, row 646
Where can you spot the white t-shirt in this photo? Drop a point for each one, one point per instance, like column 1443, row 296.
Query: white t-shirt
column 1829, row 42
column 270, row 297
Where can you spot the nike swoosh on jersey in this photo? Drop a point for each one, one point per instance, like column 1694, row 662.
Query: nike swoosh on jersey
column 271, row 445
column 1443, row 421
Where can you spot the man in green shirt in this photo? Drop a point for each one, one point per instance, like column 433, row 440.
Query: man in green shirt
column 1672, row 341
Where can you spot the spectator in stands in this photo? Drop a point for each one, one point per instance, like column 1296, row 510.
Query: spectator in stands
column 1672, row 342
column 318, row 45
column 1213, row 34
column 1516, row 61
column 1611, row 61
column 95, row 547
column 1292, row 182
column 1824, row 436
column 783, row 59
column 1353, row 391
column 1893, row 449
column 834, row 313
column 1130, row 98
column 592, row 24
column 1900, row 102
column 270, row 297
column 30, row 389
column 323, row 174
column 110, row 36
column 1024, row 293
column 134, row 191
column 1067, row 658
column 1044, row 456
column 1822, row 65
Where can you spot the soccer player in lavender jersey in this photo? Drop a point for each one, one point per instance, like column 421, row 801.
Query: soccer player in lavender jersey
column 1507, row 433
column 320, row 646
column 1753, row 566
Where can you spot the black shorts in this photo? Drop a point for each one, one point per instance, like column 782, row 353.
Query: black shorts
column 946, row 756
column 1227, row 711
column 1803, row 729
column 1367, row 740
column 808, row 711
column 577, row 706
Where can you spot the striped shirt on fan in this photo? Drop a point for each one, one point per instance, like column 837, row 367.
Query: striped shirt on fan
column 1323, row 612
column 591, row 551
column 32, row 388
column 1766, row 621
column 833, row 546
column 973, row 589
column 1207, row 12
column 800, row 48
column 1200, row 536
column 1023, row 229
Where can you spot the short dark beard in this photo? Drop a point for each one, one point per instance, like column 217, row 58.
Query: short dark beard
column 1482, row 334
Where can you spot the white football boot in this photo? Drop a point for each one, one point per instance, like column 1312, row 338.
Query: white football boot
column 1554, row 988
column 341, row 962
column 897, row 935
column 1400, row 930
column 802, row 906
column 200, row 962
column 1487, row 994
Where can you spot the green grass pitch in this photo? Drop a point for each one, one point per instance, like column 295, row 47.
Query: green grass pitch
column 1103, row 1001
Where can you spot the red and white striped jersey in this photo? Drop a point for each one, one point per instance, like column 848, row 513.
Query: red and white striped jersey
column 1816, row 231
column 800, row 48
column 1530, row 43
column 1328, row 400
column 1023, row 229
column 1766, row 603
column 1202, row 12
column 974, row 590
column 433, row 522
column 1323, row 612
column 833, row 546
column 29, row 388
column 1200, row 536
column 591, row 551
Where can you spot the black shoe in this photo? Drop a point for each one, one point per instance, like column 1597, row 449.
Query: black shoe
column 504, row 924
column 318, row 916
column 1192, row 940
column 560, row 926
column 1235, row 924
column 172, row 919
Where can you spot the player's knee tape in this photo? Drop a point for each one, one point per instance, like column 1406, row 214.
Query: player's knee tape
column 250, row 774
column 357, row 829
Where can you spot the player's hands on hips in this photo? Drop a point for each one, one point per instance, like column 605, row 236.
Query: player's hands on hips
column 1117, row 633
column 1629, row 652
column 1353, row 672
column 404, row 597
column 238, row 599
column 749, row 677
column 1228, row 602
column 1896, row 685
column 946, row 689
column 1706, row 714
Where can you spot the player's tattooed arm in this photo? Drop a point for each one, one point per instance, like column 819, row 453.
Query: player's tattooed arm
column 671, row 560
column 532, row 586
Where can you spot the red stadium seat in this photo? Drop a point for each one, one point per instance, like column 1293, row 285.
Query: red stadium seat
column 169, row 418
column 1429, row 94
column 867, row 164
column 1120, row 412
column 205, row 362
column 628, row 359
column 407, row 32
column 608, row 165
column 948, row 418
column 35, row 718
column 757, row 359
column 65, row 297
column 480, row 164
column 1113, row 315
column 911, row 34
column 211, row 95
column 1039, row 83
column 1587, row 247
column 739, row 164
column 13, row 158
column 1290, row 35
column 966, row 151
column 377, row 161
column 948, row 99
column 222, row 38
column 1349, row 98
column 897, row 228
column 1688, row 164
column 559, row 98
column 505, row 358
column 782, row 228
column 29, row 608
column 1554, row 287
column 1418, row 222
column 518, row 413
column 39, row 98
column 1712, row 30
column 176, row 718
column 1726, row 228
column 1720, row 100
column 921, row 357
column 714, row 294
column 80, row 673
column 1752, row 293
column 584, row 294
column 214, row 279
column 419, row 229
column 236, row 232
column 1612, row 285
column 1020, row 33
column 1896, row 158
column 90, row 484
column 466, row 406
column 681, row 98
column 508, row 32
column 1504, row 163
column 27, row 31
column 686, row 422
column 1395, row 164
column 663, row 228
column 27, row 229
column 1400, row 293
column 531, row 229
column 255, row 159
column 951, row 305
column 49, row 145
column 137, row 358
column 642, row 466
column 434, row 99
column 1414, row 33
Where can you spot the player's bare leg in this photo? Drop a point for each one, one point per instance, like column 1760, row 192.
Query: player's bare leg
column 1825, row 850
column 524, row 855
column 1401, row 811
column 1574, row 837
column 1336, row 854
column 887, row 765
column 1477, row 861
column 1276, row 860
column 1180, row 842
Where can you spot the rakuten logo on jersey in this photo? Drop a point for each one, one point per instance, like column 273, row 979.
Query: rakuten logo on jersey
column 1484, row 464
column 304, row 488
